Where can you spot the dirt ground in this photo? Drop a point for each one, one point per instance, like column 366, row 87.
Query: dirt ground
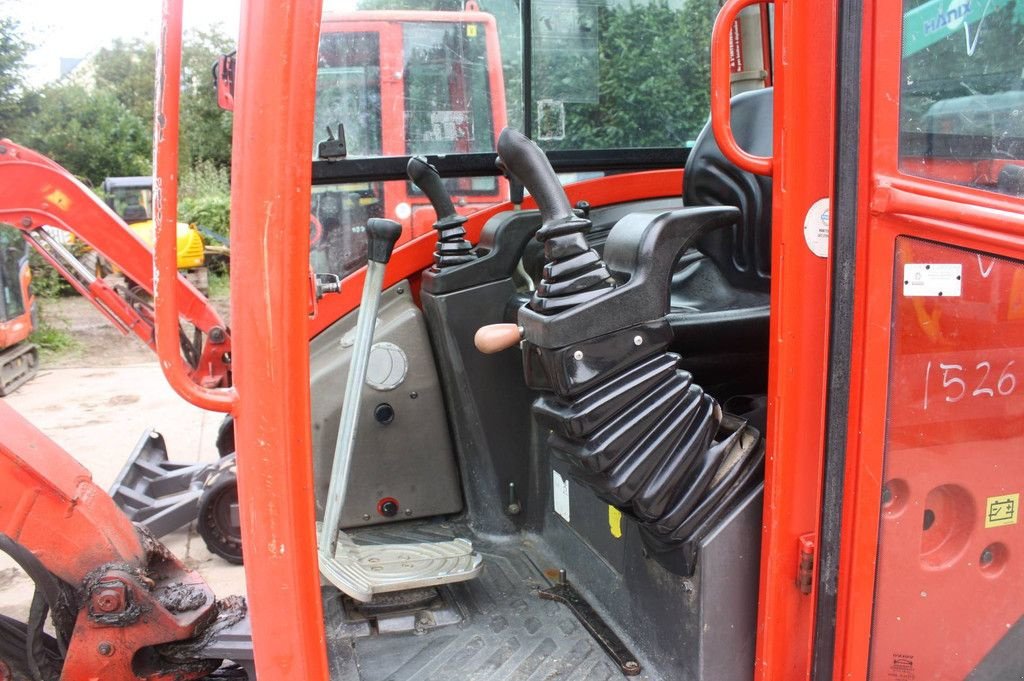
column 95, row 401
column 97, row 343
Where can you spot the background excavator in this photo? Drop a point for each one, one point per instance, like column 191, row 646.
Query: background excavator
column 745, row 408
column 19, row 359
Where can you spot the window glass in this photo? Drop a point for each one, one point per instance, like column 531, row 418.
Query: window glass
column 12, row 252
column 348, row 89
column 617, row 73
column 338, row 216
column 447, row 88
column 962, row 93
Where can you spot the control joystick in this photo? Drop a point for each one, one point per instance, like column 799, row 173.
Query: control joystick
column 574, row 273
column 452, row 247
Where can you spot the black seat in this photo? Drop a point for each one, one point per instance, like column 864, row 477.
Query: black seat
column 720, row 292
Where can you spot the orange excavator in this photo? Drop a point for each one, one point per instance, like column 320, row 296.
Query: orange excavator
column 19, row 358
column 741, row 409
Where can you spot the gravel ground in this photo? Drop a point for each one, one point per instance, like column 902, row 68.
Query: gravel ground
column 95, row 401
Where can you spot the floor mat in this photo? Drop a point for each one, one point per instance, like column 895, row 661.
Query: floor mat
column 506, row 632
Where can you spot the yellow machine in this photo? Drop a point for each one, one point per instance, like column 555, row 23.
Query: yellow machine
column 132, row 199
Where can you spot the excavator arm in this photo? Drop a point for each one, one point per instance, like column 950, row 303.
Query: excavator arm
column 36, row 193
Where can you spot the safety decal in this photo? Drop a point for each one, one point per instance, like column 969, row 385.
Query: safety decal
column 816, row 227
column 1002, row 510
column 615, row 522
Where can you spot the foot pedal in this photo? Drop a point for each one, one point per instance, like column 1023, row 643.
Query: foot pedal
column 363, row 571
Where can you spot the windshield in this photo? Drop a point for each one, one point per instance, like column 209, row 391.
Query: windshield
column 584, row 77
column 132, row 204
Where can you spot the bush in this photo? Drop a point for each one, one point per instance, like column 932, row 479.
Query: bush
column 204, row 197
column 46, row 282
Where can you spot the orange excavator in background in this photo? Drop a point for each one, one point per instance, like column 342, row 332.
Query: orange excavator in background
column 19, row 358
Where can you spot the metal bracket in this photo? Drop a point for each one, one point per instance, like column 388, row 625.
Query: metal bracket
column 565, row 593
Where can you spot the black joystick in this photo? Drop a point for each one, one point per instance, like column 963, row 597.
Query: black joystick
column 574, row 272
column 452, row 247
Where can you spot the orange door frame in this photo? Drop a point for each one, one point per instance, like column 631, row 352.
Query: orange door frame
column 892, row 204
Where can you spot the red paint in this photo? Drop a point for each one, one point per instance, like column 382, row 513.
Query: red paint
column 165, row 219
column 799, row 330
column 270, row 196
column 45, row 489
column 891, row 437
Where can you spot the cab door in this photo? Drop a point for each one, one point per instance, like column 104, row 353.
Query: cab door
column 927, row 443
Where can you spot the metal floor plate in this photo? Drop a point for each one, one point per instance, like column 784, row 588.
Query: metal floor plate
column 507, row 632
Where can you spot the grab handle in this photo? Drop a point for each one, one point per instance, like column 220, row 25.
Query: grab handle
column 721, row 91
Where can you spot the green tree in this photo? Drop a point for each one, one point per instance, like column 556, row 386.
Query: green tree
column 12, row 64
column 89, row 132
column 127, row 68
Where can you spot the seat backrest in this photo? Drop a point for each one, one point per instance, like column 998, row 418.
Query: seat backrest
column 741, row 252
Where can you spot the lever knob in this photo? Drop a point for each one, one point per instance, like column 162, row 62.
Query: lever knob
column 382, row 235
column 497, row 337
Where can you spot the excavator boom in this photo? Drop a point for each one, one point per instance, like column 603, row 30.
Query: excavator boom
column 36, row 193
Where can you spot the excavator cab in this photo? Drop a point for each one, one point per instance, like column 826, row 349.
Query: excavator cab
column 716, row 399
column 19, row 359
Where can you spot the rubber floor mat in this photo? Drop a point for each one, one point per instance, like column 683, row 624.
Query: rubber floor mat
column 507, row 632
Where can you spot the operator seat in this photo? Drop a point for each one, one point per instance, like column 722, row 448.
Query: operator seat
column 720, row 291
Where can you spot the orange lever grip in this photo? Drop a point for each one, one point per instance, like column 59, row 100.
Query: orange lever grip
column 497, row 337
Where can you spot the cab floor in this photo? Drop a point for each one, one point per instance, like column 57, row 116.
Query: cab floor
column 507, row 632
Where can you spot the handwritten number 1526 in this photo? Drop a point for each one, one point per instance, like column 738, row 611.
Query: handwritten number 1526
column 957, row 381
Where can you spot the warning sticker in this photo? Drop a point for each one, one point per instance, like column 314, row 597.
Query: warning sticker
column 1002, row 510
column 560, row 491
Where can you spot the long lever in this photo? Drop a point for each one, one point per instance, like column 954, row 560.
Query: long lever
column 381, row 235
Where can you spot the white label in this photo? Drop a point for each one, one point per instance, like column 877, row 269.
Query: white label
column 816, row 227
column 560, row 490
column 932, row 280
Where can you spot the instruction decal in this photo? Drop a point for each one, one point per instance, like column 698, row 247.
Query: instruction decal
column 560, row 492
column 1002, row 510
column 932, row 279
column 816, row 227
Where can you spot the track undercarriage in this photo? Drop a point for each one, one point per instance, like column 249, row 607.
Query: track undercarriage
column 17, row 365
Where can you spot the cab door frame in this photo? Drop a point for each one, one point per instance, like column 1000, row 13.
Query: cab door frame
column 883, row 204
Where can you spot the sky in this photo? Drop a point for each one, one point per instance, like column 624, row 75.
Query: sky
column 76, row 28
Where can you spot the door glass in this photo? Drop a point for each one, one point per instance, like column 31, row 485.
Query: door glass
column 12, row 252
column 348, row 90
column 950, row 569
column 962, row 93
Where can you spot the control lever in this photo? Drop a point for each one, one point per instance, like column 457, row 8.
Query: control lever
column 364, row 571
column 574, row 273
column 497, row 337
column 521, row 158
column 452, row 247
column 381, row 238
